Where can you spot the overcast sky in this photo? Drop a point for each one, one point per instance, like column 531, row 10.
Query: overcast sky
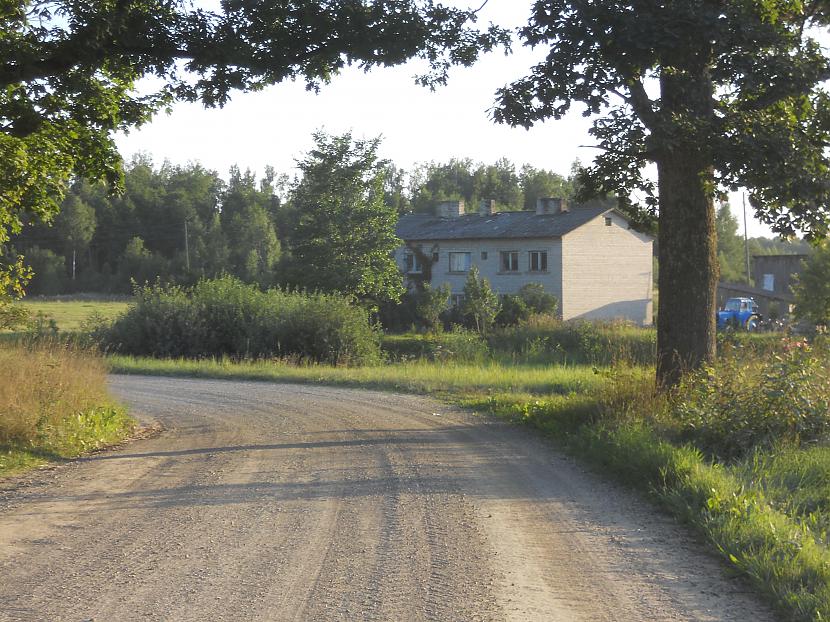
column 274, row 127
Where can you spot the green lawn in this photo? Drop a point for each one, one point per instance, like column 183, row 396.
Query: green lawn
column 70, row 314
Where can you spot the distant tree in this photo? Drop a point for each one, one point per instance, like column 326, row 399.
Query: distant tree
column 49, row 271
column 812, row 287
column 538, row 183
column 432, row 183
column 430, row 304
column 250, row 232
column 75, row 226
column 731, row 253
column 480, row 303
column 497, row 182
column 344, row 234
column 395, row 189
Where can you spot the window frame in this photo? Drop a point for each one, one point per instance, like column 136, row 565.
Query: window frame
column 469, row 262
column 412, row 263
column 504, row 268
column 541, row 254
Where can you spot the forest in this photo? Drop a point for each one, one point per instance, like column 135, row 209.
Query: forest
column 177, row 223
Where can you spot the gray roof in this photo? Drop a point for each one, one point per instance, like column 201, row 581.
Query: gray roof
column 502, row 225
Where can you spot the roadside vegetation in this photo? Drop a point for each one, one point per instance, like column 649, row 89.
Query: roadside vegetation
column 54, row 405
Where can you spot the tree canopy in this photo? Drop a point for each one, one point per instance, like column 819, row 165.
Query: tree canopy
column 718, row 95
column 68, row 72
column 343, row 238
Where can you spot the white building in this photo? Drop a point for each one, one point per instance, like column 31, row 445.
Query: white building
column 586, row 255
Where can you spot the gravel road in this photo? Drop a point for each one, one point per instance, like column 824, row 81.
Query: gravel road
column 281, row 502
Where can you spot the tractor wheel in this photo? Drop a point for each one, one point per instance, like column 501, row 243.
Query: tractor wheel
column 751, row 324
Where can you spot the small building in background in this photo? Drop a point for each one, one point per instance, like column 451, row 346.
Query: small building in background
column 774, row 273
column 773, row 276
column 586, row 255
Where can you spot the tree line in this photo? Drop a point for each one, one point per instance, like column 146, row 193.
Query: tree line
column 329, row 228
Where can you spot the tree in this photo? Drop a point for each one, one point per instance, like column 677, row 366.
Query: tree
column 480, row 301
column 75, row 225
column 812, row 287
column 252, row 237
column 718, row 95
column 497, row 182
column 344, row 234
column 68, row 72
column 538, row 183
column 731, row 252
column 430, row 304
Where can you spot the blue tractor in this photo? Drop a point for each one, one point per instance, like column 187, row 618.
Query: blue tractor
column 739, row 314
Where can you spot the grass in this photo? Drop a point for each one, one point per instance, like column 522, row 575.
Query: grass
column 449, row 380
column 54, row 405
column 70, row 314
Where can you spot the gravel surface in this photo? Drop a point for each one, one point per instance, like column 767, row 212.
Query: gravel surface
column 264, row 501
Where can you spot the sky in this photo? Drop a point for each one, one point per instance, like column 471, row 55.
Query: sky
column 274, row 126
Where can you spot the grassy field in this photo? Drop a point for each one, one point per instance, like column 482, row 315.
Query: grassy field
column 71, row 314
column 54, row 405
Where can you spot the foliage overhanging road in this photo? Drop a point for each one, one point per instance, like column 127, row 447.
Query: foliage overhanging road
column 281, row 502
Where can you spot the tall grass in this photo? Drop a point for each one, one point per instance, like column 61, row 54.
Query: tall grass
column 54, row 403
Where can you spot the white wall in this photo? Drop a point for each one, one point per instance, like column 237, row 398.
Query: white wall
column 607, row 272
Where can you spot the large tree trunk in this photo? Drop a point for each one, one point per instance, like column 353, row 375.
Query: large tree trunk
column 686, row 229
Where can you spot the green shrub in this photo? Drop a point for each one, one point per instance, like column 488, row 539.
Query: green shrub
column 742, row 403
column 225, row 317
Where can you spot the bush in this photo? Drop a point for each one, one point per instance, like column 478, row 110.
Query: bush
column 225, row 317
column 737, row 405
column 49, row 272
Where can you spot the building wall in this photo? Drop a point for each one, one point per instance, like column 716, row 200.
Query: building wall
column 607, row 272
column 776, row 270
column 490, row 267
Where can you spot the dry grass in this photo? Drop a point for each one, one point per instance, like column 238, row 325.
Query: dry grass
column 54, row 403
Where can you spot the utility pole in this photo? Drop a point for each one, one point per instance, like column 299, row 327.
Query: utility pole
column 746, row 238
column 186, row 247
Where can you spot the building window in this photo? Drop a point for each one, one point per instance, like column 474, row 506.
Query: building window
column 457, row 300
column 435, row 257
column 412, row 263
column 483, row 255
column 538, row 261
column 769, row 282
column 460, row 261
column 510, row 261
column 608, row 221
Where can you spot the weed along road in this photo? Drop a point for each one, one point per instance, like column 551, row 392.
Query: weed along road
column 283, row 502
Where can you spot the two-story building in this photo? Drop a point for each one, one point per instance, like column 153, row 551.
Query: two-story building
column 586, row 255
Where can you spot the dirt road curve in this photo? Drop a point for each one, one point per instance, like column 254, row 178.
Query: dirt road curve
column 281, row 502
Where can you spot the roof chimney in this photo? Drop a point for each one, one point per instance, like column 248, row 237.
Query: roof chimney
column 487, row 207
column 450, row 209
column 551, row 205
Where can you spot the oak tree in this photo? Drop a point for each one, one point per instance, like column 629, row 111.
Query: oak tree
column 718, row 95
